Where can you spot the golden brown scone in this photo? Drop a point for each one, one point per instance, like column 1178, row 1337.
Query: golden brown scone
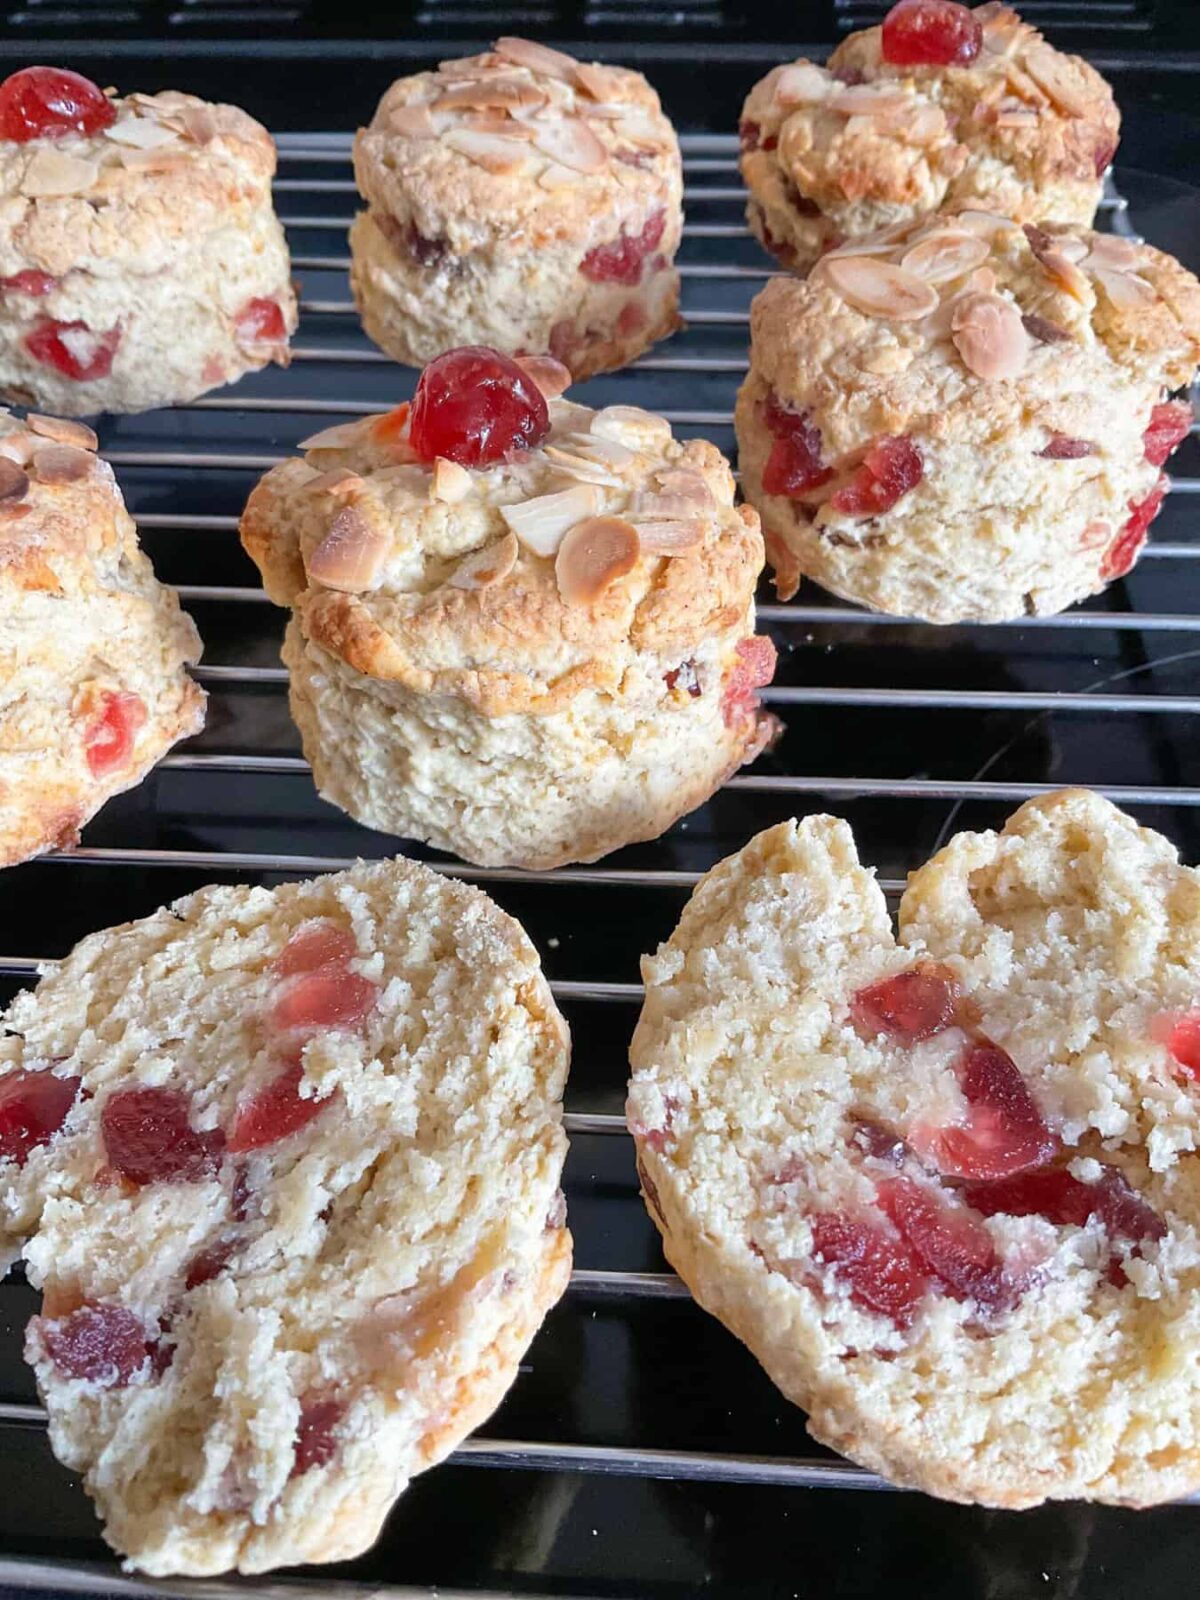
column 285, row 1165
column 93, row 650
column 523, row 200
column 946, row 1189
column 141, row 263
column 528, row 662
column 966, row 420
column 1011, row 125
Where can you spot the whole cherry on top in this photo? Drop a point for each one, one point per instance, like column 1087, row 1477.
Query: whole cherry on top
column 930, row 33
column 48, row 102
column 473, row 406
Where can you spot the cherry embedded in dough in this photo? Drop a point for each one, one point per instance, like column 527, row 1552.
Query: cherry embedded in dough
column 878, row 1267
column 951, row 1243
column 111, row 731
column 316, row 1441
column 473, row 406
column 1123, row 552
column 1054, row 1193
column 314, row 944
column 891, row 467
column 753, row 668
column 331, row 997
column 74, row 349
column 260, row 321
column 910, row 1006
column 274, row 1112
column 1004, row 1132
column 622, row 261
column 1170, row 424
column 48, row 102
column 794, row 464
column 33, row 1107
column 31, row 282
column 104, row 1344
column 149, row 1138
column 930, row 33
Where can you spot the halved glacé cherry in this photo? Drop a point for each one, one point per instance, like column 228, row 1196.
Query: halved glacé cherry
column 878, row 1267
column 1004, row 1132
column 1055, row 1194
column 105, row 1344
column 795, row 463
column 1170, row 424
column 31, row 282
column 910, row 1006
column 930, row 33
column 753, row 667
column 949, row 1241
column 316, row 1442
column 622, row 261
column 149, row 1138
column 314, row 944
column 110, row 731
column 260, row 321
column 74, row 349
column 1183, row 1041
column 209, row 1263
column 46, row 102
column 33, row 1107
column 274, row 1112
column 473, row 406
column 1123, row 552
column 891, row 467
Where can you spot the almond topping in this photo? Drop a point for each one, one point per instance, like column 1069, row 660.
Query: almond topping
column 495, row 92
column 881, row 243
column 663, row 507
column 866, row 100
column 450, row 483
column 985, row 223
column 600, row 447
column 598, row 83
column 989, row 336
column 556, row 176
column 340, row 437
column 488, row 150
column 582, row 467
column 1053, row 73
column 350, row 555
column 593, row 555
column 572, row 144
column 17, row 447
column 144, row 133
column 338, row 480
column 61, row 463
column 802, row 84
column 879, row 289
column 63, row 431
column 14, row 480
column 411, row 122
column 670, row 538
column 1016, row 116
column 1111, row 251
column 487, row 566
column 551, row 377
column 632, row 426
column 53, row 172
column 943, row 256
column 541, row 523
column 1066, row 245
column 1125, row 290
column 538, row 58
column 198, row 124
column 689, row 485
column 490, row 122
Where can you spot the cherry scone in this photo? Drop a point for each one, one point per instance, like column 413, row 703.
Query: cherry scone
column 141, row 261
column 964, row 419
column 93, row 649
column 285, row 1165
column 522, row 630
column 519, row 199
column 946, row 1186
column 939, row 108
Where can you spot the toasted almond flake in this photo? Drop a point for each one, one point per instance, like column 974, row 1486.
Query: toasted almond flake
column 688, row 485
column 469, row 66
column 1023, row 86
column 1016, row 116
column 494, row 92
column 490, row 122
column 53, row 172
column 866, row 100
column 1003, row 30
column 541, row 523
column 14, row 480
column 338, row 480
column 411, row 122
column 351, row 554
column 198, row 124
column 632, row 426
column 599, row 447
column 593, row 555
column 1043, row 330
column 574, row 465
column 636, row 127
column 880, row 243
column 986, row 223
column 1067, row 275
column 340, row 437
column 17, row 447
column 571, row 143
column 671, row 538
column 63, row 431
column 61, row 463
column 538, row 58
column 484, row 567
column 648, row 506
column 989, row 336
column 144, row 133
column 803, row 84
column 1053, row 73
column 567, row 417
column 550, row 375
column 450, row 483
column 940, row 257
column 597, row 82
column 921, row 125
column 1065, row 244
column 1125, row 290
column 1111, row 251
column 169, row 159
column 495, row 154
column 880, row 289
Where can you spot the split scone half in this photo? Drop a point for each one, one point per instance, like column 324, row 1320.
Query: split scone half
column 93, row 649
column 945, row 1185
column 519, row 199
column 940, row 108
column 285, row 1165
column 522, row 630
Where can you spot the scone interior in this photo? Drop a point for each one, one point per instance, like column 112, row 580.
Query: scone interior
column 906, row 119
column 967, row 419
column 93, row 650
column 285, row 1166
column 945, row 1186
column 141, row 258
column 527, row 660
column 523, row 200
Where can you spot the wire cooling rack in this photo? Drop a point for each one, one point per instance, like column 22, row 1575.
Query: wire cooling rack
column 906, row 729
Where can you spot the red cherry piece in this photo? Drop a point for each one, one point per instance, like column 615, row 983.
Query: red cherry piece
column 107, row 1345
column 46, row 102
column 260, row 322
column 329, row 998
column 149, row 1138
column 73, row 349
column 1183, row 1042
column 473, row 406
column 880, row 1270
column 930, row 33
column 754, row 666
column 685, row 678
column 109, row 733
column 950, row 1242
column 1103, row 158
column 314, row 944
column 1169, row 426
column 749, row 134
column 33, row 1107
column 892, row 466
column 1063, row 447
column 794, row 464
column 30, row 282
column 274, row 1113
column 316, row 1443
column 209, row 1263
column 1054, row 1194
column 1123, row 552
column 913, row 1005
column 1004, row 1132
column 622, row 260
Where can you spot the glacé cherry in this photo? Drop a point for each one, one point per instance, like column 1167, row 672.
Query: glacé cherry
column 473, row 405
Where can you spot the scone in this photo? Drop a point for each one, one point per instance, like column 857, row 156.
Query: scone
column 965, row 420
column 521, row 630
column 946, row 1188
column 285, row 1165
column 93, row 649
column 141, row 261
column 523, row 200
column 941, row 108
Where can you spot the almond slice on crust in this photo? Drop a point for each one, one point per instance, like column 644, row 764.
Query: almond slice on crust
column 411, row 122
column 484, row 567
column 597, row 82
column 989, row 335
column 555, row 176
column 570, row 143
column 537, row 57
column 495, row 92
column 687, row 484
column 1016, row 116
column 61, row 463
column 495, row 123
column 550, row 375
column 630, row 425
column 63, row 431
column 1069, row 247
column 1125, row 290
column 17, row 447
column 351, row 554
column 198, row 124
column 600, row 447
column 338, row 480
column 880, row 289
column 341, row 436
column 803, row 83
column 670, row 537
column 866, row 100
column 593, row 555
column 1112, row 251
column 541, row 523
column 940, row 257
column 985, row 223
column 450, row 483
column 488, row 150
column 651, row 506
column 1050, row 71
column 53, row 172
column 583, row 467
column 14, row 480
column 144, row 133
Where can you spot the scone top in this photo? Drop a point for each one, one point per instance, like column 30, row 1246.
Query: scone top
column 559, row 547
column 522, row 143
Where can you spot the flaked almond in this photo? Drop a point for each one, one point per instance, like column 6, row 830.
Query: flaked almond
column 686, row 484
column 1023, row 86
column 555, row 176
column 541, row 523
column 598, row 83
column 450, row 482
column 494, row 122
column 942, row 256
column 14, row 480
column 868, row 100
column 470, row 66
column 143, row 133
column 1125, row 290
column 351, row 554
column 880, row 289
column 63, row 431
column 484, row 567
column 1111, row 251
column 170, row 158
column 803, row 84
column 1043, row 330
column 488, row 150
column 662, row 507
column 198, row 124
column 550, row 375
column 1016, row 116
column 583, row 468
column 671, row 537
column 567, row 417
column 1066, row 244
column 1067, row 275
column 632, row 426
column 593, row 555
column 53, row 172
column 637, row 127
column 570, row 143
column 1002, row 29
column 17, row 447
column 985, row 223
column 599, row 447
column 989, row 336
column 921, row 125
column 338, row 480
column 493, row 93
column 61, row 463
column 538, row 58
column 411, row 122
column 1054, row 73
column 340, row 437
